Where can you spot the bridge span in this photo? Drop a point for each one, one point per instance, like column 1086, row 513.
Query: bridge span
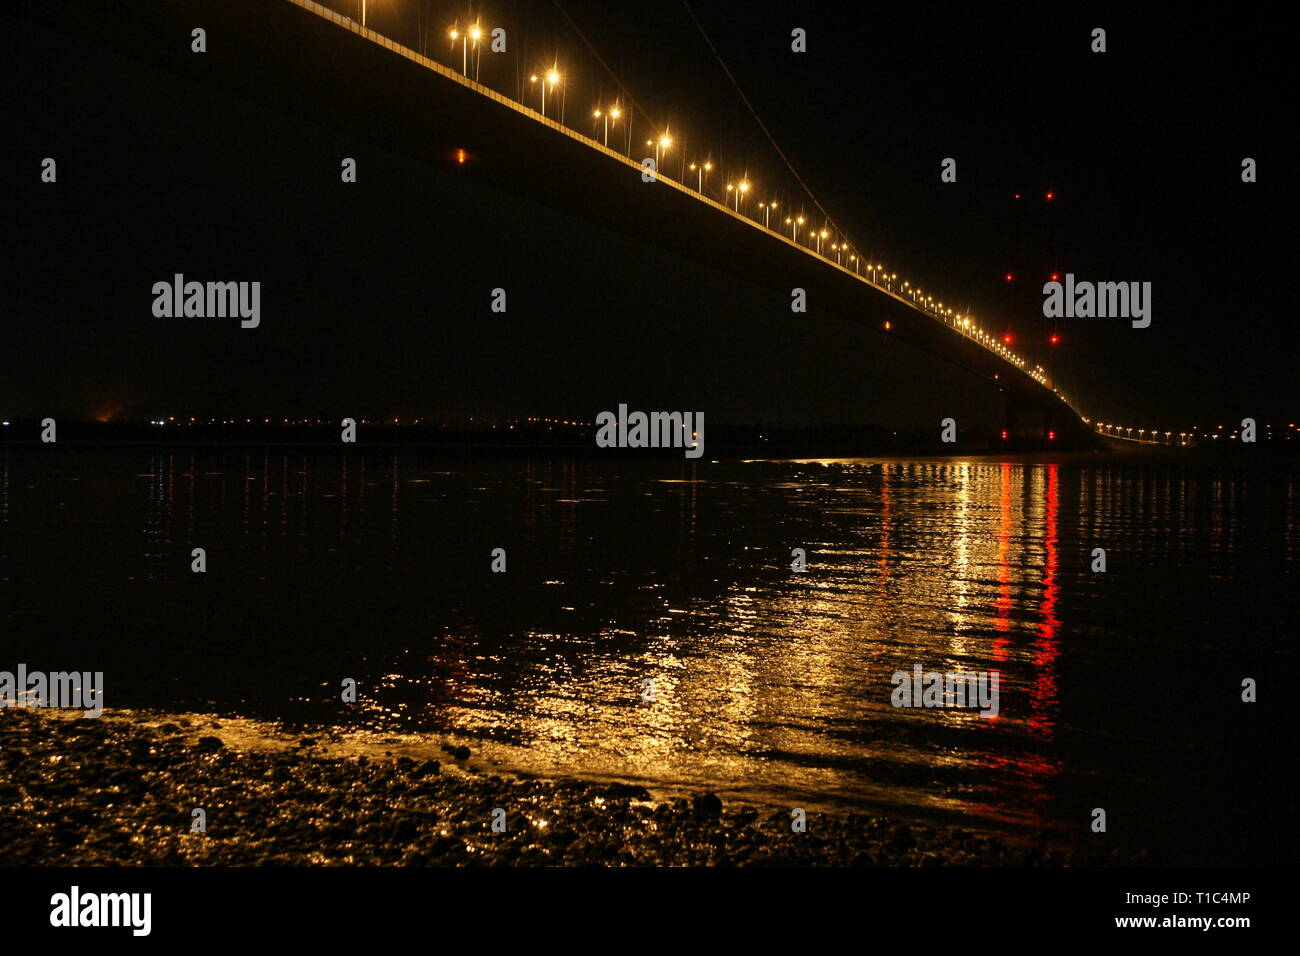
column 304, row 59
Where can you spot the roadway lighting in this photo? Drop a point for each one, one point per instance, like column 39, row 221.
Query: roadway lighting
column 553, row 78
column 609, row 114
column 663, row 141
column 820, row 236
column 464, row 48
column 613, row 113
column 476, row 34
column 700, row 169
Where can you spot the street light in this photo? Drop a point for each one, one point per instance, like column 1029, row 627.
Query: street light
column 464, row 48
column 552, row 77
column 475, row 34
column 767, row 208
column 820, row 236
column 737, row 190
column 663, row 142
column 608, row 114
column 613, row 113
column 794, row 225
column 700, row 169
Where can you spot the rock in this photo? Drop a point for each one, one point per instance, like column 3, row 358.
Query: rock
column 209, row 744
column 706, row 805
column 628, row 790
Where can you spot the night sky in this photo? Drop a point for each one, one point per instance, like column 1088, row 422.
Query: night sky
column 374, row 294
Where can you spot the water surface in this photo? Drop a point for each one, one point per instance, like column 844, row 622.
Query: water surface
column 1119, row 690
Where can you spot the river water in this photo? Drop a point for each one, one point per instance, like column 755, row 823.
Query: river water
column 649, row 625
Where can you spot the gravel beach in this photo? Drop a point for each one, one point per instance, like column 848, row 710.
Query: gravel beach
column 122, row 789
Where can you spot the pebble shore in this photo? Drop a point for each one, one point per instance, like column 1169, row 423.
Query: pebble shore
column 121, row 790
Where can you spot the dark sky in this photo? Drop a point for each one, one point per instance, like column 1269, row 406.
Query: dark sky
column 373, row 293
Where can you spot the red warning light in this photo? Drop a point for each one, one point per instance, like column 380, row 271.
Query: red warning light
column 1010, row 277
column 1054, row 339
column 1007, row 338
column 1017, row 195
column 1055, row 277
column 1051, row 196
column 1051, row 436
column 1004, row 434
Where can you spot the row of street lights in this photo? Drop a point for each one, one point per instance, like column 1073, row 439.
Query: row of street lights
column 1125, row 431
column 737, row 192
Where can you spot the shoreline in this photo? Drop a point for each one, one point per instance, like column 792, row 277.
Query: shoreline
column 122, row 790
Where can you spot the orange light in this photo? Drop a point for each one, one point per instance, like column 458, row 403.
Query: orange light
column 888, row 326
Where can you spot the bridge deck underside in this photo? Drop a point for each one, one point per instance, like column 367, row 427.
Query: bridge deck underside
column 292, row 59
